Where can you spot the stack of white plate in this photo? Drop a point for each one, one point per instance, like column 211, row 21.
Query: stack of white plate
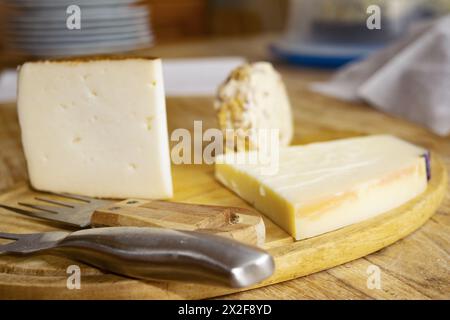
column 39, row 27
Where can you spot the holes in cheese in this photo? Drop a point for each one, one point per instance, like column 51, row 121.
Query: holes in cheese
column 100, row 126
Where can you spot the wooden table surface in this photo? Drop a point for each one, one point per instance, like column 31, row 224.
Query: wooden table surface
column 417, row 267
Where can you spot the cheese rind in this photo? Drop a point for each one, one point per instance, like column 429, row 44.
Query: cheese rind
column 96, row 127
column 322, row 187
column 252, row 98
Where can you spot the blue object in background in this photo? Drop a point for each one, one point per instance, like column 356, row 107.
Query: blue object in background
column 320, row 55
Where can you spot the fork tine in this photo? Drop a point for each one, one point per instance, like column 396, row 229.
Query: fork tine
column 60, row 203
column 53, row 210
column 41, row 215
column 74, row 197
column 9, row 236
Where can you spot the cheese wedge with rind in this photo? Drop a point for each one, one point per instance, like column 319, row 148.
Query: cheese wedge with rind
column 325, row 186
column 252, row 98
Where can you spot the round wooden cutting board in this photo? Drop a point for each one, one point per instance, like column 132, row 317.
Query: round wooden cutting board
column 45, row 276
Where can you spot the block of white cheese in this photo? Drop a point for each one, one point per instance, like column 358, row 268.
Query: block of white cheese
column 96, row 127
column 254, row 98
column 322, row 187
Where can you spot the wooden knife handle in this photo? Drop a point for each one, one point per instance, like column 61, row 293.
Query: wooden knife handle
column 238, row 223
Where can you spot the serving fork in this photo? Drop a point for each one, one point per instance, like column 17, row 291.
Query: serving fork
column 81, row 212
column 76, row 213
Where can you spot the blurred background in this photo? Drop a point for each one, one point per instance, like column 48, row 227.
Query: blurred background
column 201, row 41
column 37, row 28
column 318, row 32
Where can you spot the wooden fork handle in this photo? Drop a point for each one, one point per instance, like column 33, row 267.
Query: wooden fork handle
column 238, row 223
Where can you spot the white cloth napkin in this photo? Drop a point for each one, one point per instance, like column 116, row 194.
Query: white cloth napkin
column 182, row 77
column 410, row 79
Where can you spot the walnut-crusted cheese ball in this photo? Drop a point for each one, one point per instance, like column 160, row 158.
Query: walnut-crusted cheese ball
column 254, row 97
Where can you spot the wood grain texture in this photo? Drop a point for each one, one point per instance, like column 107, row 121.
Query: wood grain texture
column 414, row 267
column 244, row 225
column 43, row 275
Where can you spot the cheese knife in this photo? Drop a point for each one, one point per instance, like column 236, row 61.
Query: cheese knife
column 153, row 254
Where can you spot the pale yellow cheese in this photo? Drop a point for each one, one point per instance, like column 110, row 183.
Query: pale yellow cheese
column 322, row 187
column 96, row 127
